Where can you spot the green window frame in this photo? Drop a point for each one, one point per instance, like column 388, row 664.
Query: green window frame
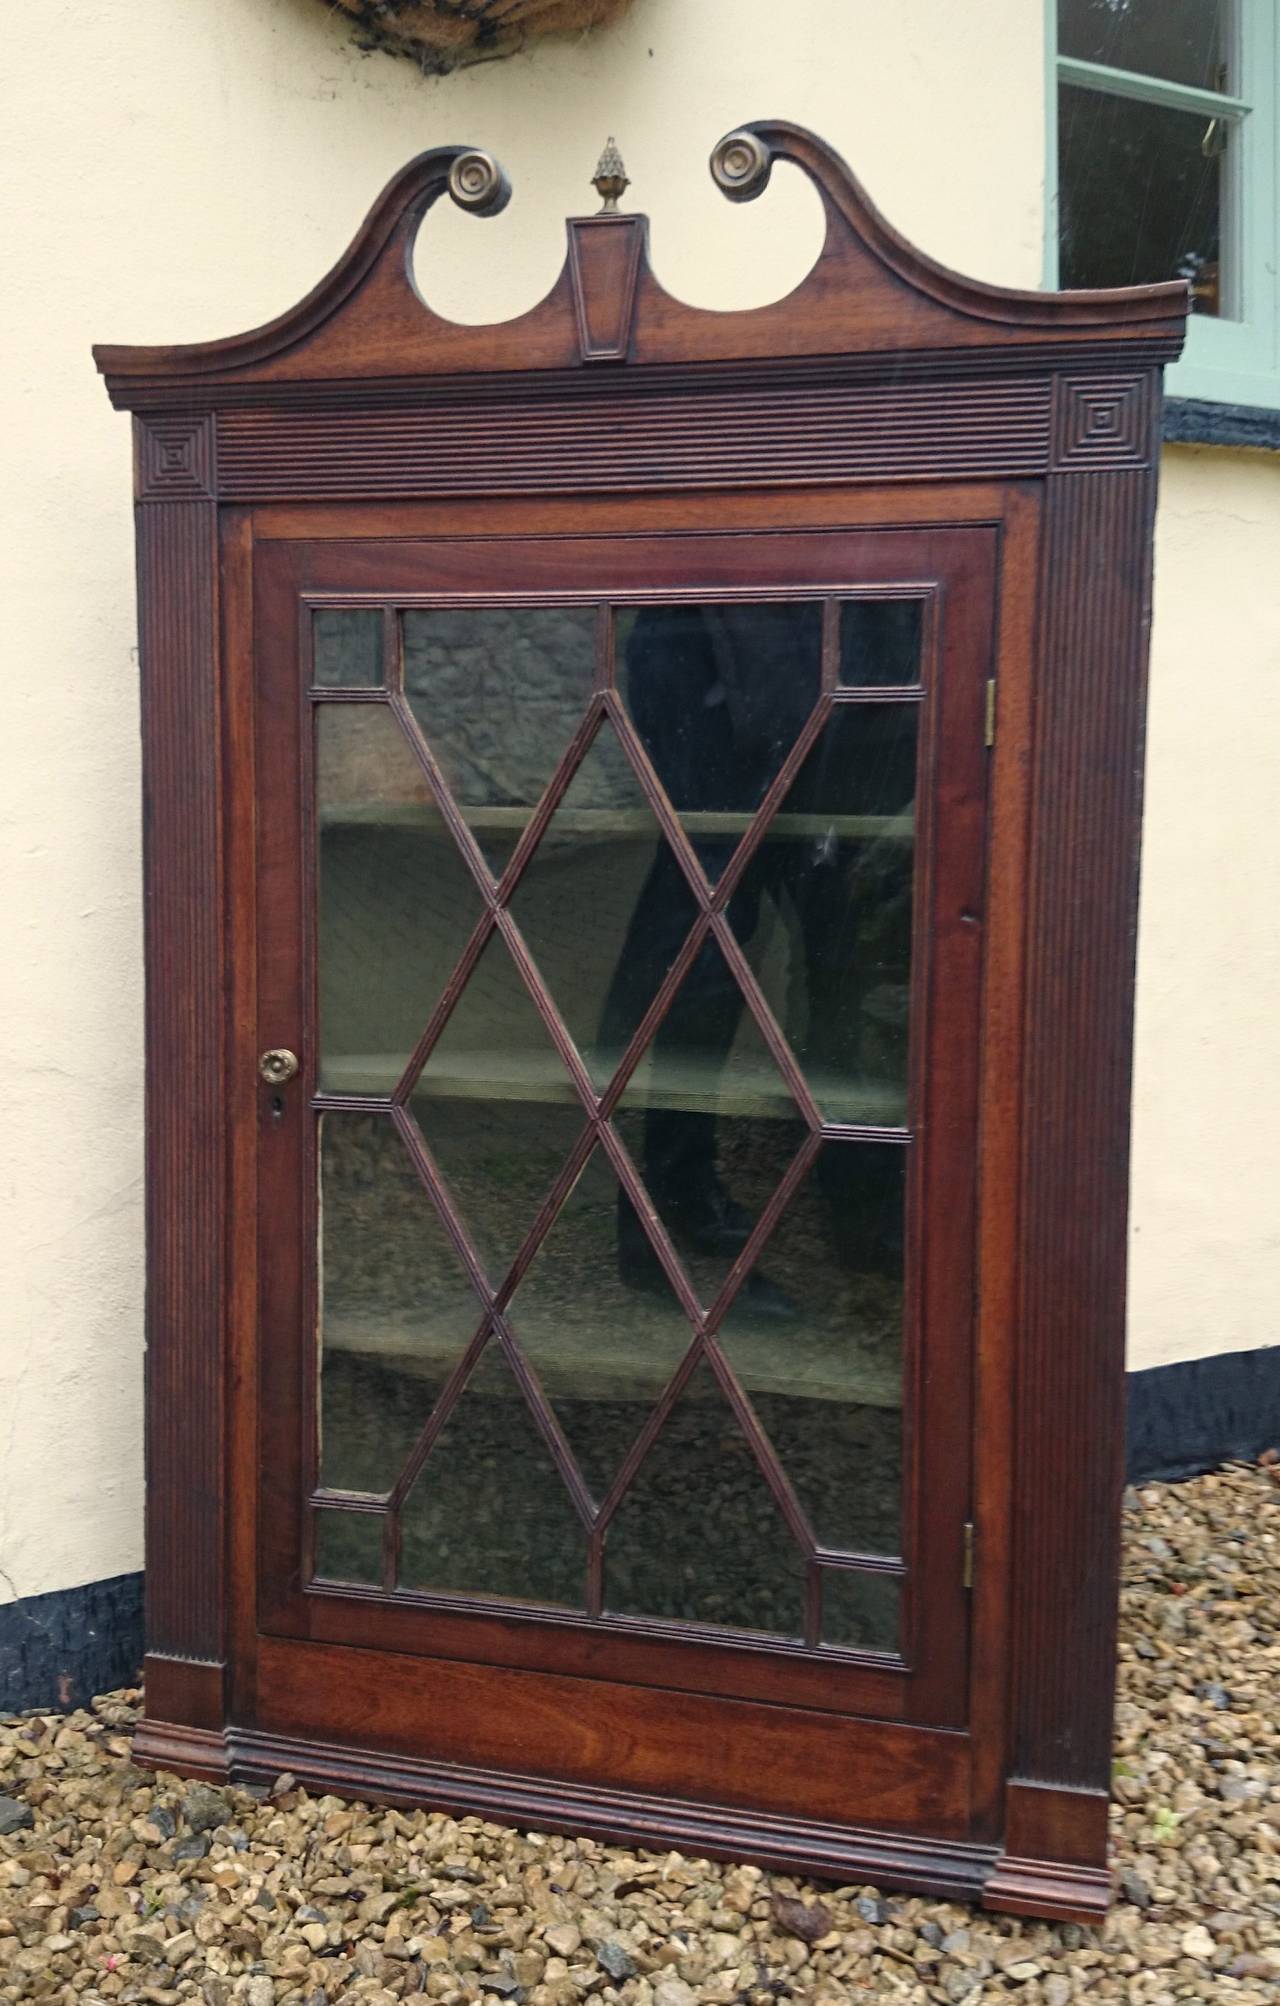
column 1232, row 360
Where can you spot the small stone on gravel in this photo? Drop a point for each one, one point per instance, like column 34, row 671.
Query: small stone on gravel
column 615, row 1960
column 204, row 1809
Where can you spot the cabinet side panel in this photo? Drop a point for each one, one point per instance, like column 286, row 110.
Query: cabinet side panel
column 177, row 585
column 1079, row 1012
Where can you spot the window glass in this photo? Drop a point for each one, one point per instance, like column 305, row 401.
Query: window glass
column 1140, row 191
column 1181, row 40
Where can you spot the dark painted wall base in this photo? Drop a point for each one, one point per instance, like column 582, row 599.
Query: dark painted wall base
column 1186, row 1418
column 1195, row 421
column 57, row 1650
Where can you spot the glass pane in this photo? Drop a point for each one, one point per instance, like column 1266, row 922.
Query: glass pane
column 349, row 1547
column 598, row 1320
column 827, row 1384
column 708, row 1058
column 718, row 696
column 498, row 692
column 880, row 642
column 823, row 911
column 1140, row 195
column 1182, row 40
column 698, row 1537
column 396, row 1308
column 489, row 1514
column 497, row 1108
column 603, row 905
column 710, row 1176
column 346, row 648
column 396, row 901
column 860, row 1611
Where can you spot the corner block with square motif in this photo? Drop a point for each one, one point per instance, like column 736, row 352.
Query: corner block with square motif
column 1102, row 421
column 173, row 458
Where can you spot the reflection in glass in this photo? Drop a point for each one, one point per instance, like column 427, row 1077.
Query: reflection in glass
column 698, row 1536
column 349, row 1547
column 497, row 1108
column 603, row 1336
column 824, row 911
column 1140, row 196
column 396, row 901
column 489, row 1514
column 824, row 1369
column 346, row 648
column 880, row 642
column 498, row 692
column 718, row 696
column 860, row 1611
column 602, row 876
column 709, row 1176
column 396, row 1308
column 1183, row 41
column 822, row 914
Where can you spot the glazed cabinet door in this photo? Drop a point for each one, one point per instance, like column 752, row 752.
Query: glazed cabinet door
column 620, row 902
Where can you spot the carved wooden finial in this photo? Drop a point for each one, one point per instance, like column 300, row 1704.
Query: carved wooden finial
column 610, row 177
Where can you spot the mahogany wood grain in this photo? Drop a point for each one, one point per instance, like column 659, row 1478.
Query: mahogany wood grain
column 691, row 1746
column 1082, row 930
column 362, row 446
column 842, row 1850
column 186, row 1109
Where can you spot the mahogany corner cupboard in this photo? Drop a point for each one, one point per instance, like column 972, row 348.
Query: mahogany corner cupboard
column 641, row 858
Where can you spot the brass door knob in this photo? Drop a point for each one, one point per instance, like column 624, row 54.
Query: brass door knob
column 277, row 1066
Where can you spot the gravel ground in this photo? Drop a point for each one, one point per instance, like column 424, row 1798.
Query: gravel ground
column 119, row 1885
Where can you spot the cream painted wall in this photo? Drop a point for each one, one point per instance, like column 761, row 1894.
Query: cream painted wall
column 1205, row 1241
column 184, row 168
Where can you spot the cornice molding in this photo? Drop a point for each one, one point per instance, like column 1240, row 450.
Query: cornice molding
column 871, row 294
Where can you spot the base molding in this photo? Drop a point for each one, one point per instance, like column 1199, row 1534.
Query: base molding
column 831, row 1852
column 188, row 1751
column 1048, row 1889
column 1055, row 1860
column 1014, row 1884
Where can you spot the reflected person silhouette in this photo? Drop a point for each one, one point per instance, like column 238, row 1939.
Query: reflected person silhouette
column 718, row 695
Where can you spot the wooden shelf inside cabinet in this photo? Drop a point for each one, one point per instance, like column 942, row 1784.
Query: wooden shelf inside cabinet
column 501, row 1074
column 623, row 825
column 850, row 1366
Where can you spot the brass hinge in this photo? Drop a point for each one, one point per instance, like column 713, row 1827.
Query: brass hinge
column 989, row 730
column 968, row 1554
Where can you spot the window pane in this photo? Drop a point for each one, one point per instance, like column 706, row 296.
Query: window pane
column 824, row 909
column 880, row 642
column 1140, row 199
column 860, row 1611
column 1182, row 40
column 349, row 1547
column 698, row 1537
column 498, row 692
column 490, row 1515
column 815, row 1338
column 346, row 649
column 718, row 696
column 396, row 1308
column 396, row 905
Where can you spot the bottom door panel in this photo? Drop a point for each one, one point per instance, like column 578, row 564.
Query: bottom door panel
column 597, row 1732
